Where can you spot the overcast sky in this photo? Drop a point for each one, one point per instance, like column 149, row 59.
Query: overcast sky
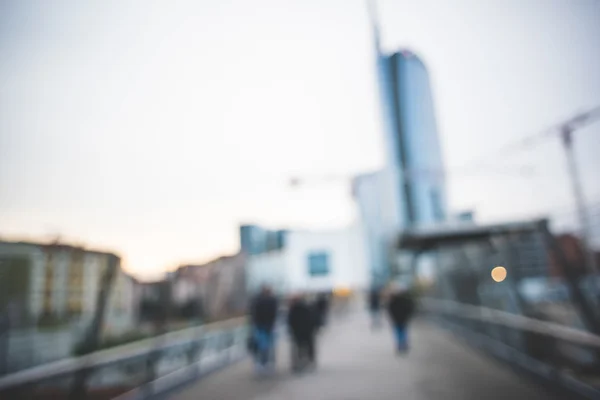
column 153, row 128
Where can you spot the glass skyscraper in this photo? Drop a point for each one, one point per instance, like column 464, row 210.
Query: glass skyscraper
column 413, row 152
column 410, row 190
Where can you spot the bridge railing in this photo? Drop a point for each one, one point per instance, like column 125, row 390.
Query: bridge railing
column 136, row 370
column 566, row 356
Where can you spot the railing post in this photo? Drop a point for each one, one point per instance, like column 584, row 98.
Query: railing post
column 195, row 354
column 79, row 388
column 150, row 372
column 514, row 338
column 222, row 347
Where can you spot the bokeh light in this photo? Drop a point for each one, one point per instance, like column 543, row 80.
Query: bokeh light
column 499, row 274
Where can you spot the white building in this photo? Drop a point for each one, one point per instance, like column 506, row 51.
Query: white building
column 312, row 261
column 380, row 220
column 122, row 313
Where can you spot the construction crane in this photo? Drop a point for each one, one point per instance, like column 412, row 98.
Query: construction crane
column 298, row 181
column 566, row 129
column 522, row 171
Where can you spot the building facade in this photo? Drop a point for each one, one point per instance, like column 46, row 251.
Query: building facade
column 414, row 141
column 218, row 285
column 255, row 239
column 410, row 190
column 59, row 283
column 226, row 286
column 48, row 298
column 377, row 201
column 311, row 261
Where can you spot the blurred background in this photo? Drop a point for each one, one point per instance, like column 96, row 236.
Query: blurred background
column 159, row 161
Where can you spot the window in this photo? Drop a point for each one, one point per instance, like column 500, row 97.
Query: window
column 318, row 263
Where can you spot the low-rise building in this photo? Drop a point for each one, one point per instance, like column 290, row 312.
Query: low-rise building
column 48, row 298
column 59, row 283
column 255, row 239
column 218, row 285
column 226, row 287
column 312, row 261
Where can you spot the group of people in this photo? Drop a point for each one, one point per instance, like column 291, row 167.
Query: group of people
column 304, row 319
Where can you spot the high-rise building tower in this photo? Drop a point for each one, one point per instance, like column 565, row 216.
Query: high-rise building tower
column 410, row 135
column 410, row 190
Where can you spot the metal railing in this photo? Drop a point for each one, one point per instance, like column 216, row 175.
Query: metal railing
column 137, row 370
column 565, row 356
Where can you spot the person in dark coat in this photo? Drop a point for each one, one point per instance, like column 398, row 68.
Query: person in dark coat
column 400, row 308
column 263, row 315
column 302, row 325
column 375, row 307
column 321, row 307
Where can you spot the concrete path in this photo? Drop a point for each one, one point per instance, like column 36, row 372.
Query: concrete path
column 358, row 364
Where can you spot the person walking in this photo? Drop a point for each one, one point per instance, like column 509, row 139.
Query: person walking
column 321, row 306
column 302, row 325
column 400, row 308
column 263, row 317
column 375, row 307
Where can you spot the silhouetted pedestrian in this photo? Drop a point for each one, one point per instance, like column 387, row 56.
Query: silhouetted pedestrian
column 375, row 307
column 321, row 306
column 264, row 315
column 400, row 308
column 302, row 326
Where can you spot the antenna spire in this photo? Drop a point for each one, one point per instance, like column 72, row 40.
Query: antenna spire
column 372, row 9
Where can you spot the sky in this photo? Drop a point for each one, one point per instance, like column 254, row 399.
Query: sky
column 155, row 128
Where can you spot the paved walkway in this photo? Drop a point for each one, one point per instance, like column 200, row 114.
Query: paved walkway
column 357, row 364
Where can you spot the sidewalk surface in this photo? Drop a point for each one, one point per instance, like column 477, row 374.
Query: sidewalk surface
column 358, row 364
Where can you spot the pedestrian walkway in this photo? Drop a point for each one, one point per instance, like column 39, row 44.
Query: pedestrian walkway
column 358, row 364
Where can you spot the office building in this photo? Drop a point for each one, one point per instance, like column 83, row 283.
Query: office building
column 410, row 190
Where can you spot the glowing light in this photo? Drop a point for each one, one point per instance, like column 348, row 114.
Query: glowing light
column 499, row 274
column 342, row 292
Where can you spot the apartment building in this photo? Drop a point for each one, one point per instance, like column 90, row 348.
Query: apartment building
column 55, row 283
